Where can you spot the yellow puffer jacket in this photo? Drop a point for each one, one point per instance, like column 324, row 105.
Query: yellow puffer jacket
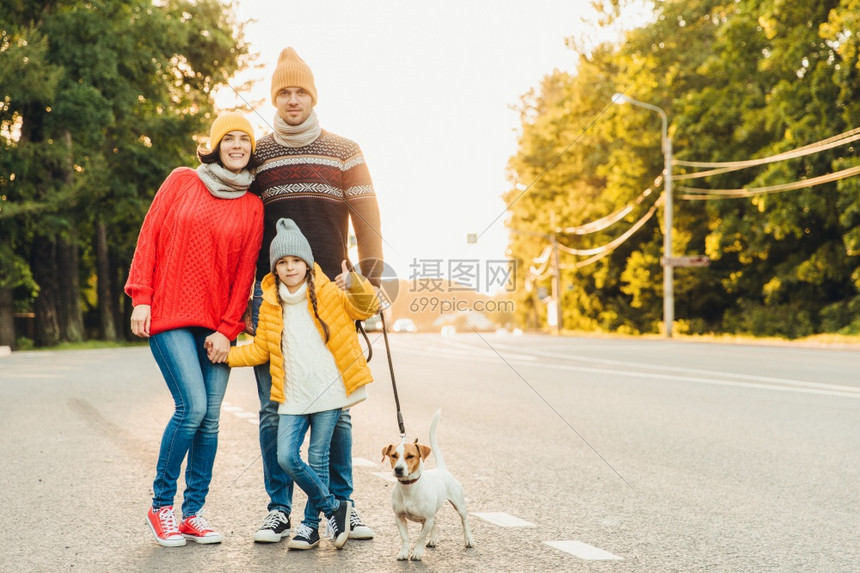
column 337, row 308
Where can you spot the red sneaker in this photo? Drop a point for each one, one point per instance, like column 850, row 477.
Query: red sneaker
column 162, row 522
column 196, row 529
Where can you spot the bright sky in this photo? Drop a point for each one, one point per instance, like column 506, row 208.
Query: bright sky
column 426, row 88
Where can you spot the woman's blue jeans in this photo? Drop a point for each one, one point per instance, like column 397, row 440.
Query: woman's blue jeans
column 313, row 476
column 198, row 388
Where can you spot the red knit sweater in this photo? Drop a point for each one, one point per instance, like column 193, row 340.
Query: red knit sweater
column 195, row 256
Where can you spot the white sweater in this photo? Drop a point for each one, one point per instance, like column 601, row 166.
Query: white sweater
column 312, row 383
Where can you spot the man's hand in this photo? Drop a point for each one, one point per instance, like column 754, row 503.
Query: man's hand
column 344, row 279
column 217, row 347
column 141, row 316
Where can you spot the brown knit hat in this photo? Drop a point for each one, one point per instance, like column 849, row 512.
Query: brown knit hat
column 292, row 72
column 227, row 122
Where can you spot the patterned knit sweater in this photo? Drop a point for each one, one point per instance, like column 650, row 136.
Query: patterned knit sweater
column 195, row 255
column 321, row 187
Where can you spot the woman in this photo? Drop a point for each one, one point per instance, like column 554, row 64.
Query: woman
column 189, row 281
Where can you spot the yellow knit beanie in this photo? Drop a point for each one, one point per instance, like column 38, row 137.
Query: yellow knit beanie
column 227, row 122
column 292, row 72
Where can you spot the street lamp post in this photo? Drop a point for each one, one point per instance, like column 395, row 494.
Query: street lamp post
column 668, row 270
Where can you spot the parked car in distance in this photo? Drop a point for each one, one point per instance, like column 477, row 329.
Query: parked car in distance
column 373, row 324
column 404, row 325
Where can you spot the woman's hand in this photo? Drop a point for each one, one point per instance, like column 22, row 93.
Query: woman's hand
column 141, row 316
column 344, row 279
column 217, row 347
column 246, row 318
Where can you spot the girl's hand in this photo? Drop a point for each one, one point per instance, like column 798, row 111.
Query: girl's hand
column 141, row 316
column 217, row 347
column 344, row 279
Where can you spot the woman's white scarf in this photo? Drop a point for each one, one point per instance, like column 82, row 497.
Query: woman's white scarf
column 222, row 182
column 297, row 135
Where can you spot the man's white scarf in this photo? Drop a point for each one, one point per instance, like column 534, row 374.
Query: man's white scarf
column 297, row 135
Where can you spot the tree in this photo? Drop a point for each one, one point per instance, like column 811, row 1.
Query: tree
column 738, row 80
column 105, row 100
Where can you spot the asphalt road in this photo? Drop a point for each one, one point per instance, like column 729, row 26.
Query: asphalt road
column 576, row 454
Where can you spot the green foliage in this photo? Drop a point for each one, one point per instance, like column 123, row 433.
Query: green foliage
column 101, row 99
column 738, row 80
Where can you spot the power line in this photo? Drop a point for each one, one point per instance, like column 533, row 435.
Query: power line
column 612, row 218
column 609, row 247
column 722, row 167
column 711, row 194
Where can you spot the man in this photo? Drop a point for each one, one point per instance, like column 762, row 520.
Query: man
column 320, row 181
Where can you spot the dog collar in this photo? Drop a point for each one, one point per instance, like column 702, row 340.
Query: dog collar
column 409, row 481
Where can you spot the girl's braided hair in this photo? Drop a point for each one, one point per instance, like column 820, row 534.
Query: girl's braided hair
column 312, row 295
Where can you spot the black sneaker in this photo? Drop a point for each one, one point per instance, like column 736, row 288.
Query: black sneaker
column 305, row 538
column 338, row 524
column 357, row 528
column 275, row 527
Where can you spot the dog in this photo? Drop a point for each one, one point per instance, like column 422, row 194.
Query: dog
column 419, row 493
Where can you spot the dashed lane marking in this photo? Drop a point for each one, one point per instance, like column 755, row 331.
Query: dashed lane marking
column 503, row 519
column 583, row 550
column 239, row 412
column 499, row 518
column 577, row 548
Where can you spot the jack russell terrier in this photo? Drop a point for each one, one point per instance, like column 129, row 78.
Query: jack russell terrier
column 419, row 494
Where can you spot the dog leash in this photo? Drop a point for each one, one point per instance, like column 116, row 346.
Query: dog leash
column 400, row 424
column 360, row 328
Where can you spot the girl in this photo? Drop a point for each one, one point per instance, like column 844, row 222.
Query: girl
column 306, row 332
column 189, row 283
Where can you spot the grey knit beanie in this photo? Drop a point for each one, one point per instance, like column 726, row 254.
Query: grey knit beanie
column 289, row 242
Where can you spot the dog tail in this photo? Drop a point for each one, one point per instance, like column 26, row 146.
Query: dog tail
column 437, row 453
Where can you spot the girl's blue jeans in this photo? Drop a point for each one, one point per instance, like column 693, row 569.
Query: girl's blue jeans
column 198, row 388
column 313, row 476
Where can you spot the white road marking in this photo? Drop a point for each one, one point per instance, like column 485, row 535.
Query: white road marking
column 483, row 352
column 503, row 519
column 694, row 371
column 387, row 476
column 846, row 391
column 736, row 380
column 240, row 412
column 583, row 550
